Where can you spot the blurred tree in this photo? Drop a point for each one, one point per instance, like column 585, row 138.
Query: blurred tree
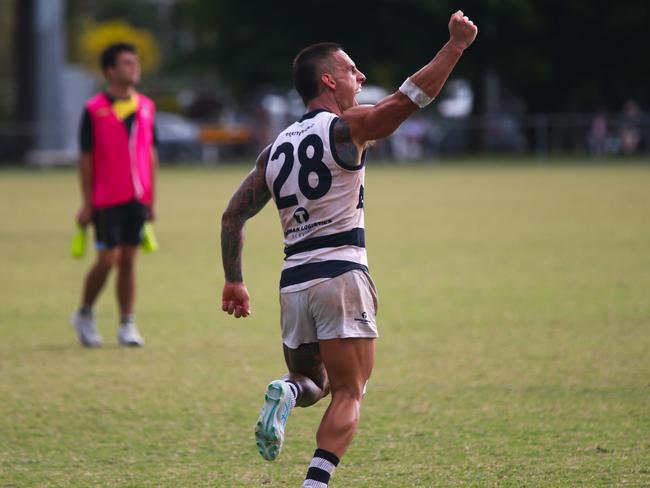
column 557, row 55
column 566, row 56
column 6, row 49
column 254, row 42
column 94, row 38
column 24, row 53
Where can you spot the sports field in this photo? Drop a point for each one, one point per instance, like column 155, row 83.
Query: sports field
column 514, row 351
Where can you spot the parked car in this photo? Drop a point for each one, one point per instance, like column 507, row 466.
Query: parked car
column 178, row 138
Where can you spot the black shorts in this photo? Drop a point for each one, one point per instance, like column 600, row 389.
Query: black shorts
column 119, row 225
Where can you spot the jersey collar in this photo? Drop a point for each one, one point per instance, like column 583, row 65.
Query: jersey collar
column 312, row 114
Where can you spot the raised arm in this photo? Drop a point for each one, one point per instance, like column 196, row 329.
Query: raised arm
column 368, row 123
column 248, row 200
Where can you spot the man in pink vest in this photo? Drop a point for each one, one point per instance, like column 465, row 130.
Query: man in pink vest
column 117, row 170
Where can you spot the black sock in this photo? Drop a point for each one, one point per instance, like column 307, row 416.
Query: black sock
column 320, row 469
column 86, row 310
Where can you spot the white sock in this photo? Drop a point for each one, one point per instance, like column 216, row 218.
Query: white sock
column 320, row 469
column 295, row 392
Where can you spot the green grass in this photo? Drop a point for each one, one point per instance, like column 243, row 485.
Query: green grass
column 514, row 350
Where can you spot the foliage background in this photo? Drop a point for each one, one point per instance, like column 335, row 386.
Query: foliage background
column 559, row 56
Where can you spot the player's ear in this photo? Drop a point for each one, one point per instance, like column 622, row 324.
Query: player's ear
column 108, row 72
column 328, row 80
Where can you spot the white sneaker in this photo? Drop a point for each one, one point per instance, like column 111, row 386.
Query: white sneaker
column 87, row 333
column 269, row 430
column 128, row 335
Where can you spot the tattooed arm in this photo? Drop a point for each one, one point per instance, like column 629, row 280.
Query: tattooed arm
column 250, row 198
column 346, row 148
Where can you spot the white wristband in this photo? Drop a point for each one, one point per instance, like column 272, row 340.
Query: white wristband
column 415, row 93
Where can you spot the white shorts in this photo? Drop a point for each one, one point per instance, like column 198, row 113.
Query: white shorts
column 342, row 307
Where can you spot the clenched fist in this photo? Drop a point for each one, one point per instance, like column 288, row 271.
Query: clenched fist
column 462, row 31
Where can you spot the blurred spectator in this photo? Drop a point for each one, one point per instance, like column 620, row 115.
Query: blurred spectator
column 262, row 135
column 504, row 133
column 409, row 139
column 630, row 128
column 598, row 135
column 417, row 138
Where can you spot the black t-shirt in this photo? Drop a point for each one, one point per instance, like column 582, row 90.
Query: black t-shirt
column 86, row 128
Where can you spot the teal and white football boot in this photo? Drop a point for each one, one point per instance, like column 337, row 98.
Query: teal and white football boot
column 269, row 430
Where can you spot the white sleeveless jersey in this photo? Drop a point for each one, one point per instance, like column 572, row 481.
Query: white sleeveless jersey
column 320, row 202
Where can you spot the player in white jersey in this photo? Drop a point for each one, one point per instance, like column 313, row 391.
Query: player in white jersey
column 314, row 172
column 320, row 201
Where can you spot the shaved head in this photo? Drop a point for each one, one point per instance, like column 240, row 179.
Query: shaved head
column 308, row 65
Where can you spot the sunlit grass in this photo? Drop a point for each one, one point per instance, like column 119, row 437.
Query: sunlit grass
column 514, row 349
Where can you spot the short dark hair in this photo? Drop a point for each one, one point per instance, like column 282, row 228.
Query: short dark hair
column 110, row 54
column 305, row 69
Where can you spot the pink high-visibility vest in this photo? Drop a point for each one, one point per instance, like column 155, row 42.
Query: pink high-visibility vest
column 122, row 163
